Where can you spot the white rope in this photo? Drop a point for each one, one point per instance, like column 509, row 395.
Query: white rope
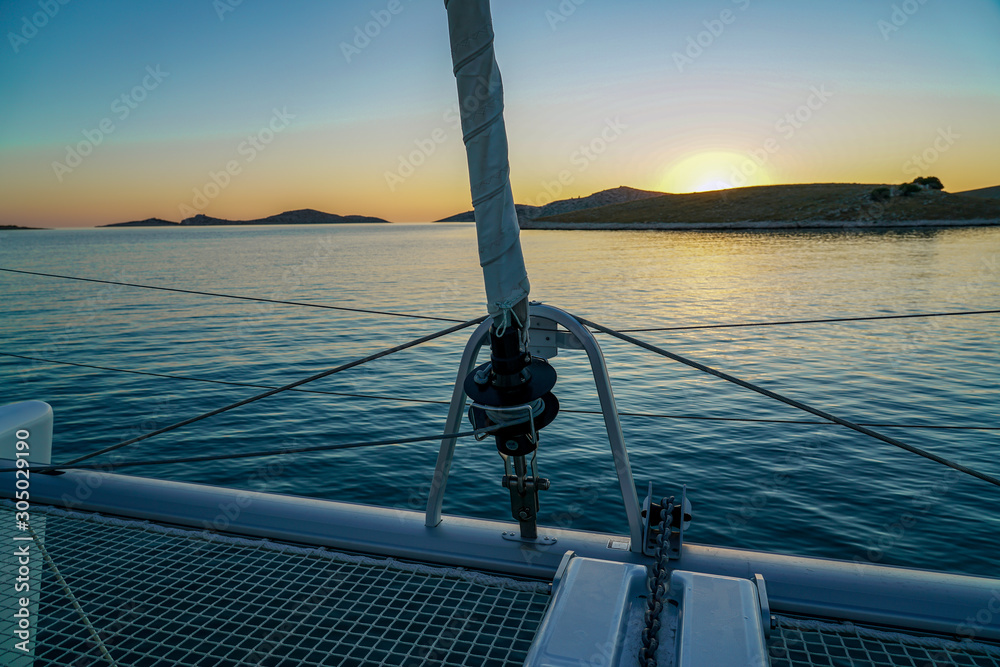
column 470, row 576
column 504, row 310
column 847, row 628
column 72, row 598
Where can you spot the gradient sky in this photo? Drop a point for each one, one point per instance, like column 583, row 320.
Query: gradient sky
column 628, row 81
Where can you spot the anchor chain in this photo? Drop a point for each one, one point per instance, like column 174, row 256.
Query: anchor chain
column 656, row 587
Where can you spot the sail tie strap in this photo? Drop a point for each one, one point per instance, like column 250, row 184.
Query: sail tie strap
column 505, row 311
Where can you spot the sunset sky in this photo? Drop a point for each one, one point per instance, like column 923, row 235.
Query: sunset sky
column 115, row 111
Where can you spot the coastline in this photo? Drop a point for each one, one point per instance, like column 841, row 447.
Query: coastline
column 759, row 224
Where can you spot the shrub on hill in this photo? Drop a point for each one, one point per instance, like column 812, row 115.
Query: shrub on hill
column 932, row 182
column 880, row 194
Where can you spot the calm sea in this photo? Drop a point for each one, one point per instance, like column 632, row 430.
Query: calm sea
column 796, row 488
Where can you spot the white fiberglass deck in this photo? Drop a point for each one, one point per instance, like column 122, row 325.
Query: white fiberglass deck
column 161, row 596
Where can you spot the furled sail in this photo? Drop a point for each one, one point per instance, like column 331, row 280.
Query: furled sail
column 480, row 94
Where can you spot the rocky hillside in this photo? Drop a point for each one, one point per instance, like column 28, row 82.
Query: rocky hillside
column 524, row 212
column 779, row 203
column 618, row 195
column 984, row 193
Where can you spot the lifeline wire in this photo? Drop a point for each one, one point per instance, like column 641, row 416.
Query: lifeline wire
column 231, row 296
column 403, row 399
column 795, row 404
column 317, row 376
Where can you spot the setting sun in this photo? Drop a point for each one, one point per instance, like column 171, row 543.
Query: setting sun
column 714, row 170
column 713, row 185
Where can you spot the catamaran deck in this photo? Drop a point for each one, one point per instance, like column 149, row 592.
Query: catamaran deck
column 150, row 594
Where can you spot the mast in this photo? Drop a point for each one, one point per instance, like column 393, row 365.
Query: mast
column 513, row 386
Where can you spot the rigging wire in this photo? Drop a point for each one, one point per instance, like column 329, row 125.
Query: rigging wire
column 222, row 382
column 447, row 319
column 242, row 298
column 795, row 404
column 269, row 452
column 786, row 421
column 429, row 401
column 291, row 385
column 821, row 321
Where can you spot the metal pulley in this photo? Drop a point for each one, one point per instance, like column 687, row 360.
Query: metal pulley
column 512, row 387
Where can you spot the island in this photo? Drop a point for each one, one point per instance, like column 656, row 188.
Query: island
column 921, row 203
column 148, row 222
column 305, row 216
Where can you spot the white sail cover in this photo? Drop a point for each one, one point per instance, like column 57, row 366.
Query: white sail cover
column 480, row 95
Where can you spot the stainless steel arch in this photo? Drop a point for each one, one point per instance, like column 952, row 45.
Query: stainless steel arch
column 609, row 409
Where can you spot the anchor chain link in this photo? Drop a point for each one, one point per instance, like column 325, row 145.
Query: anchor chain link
column 656, row 586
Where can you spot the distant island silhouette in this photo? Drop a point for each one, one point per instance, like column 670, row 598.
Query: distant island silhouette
column 305, row 216
column 148, row 222
column 815, row 205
